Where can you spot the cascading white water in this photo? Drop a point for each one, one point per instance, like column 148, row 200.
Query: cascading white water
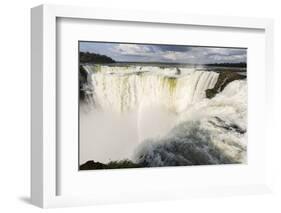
column 165, row 117
column 126, row 88
column 211, row 131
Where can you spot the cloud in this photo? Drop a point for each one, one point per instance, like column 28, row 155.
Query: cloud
column 132, row 49
column 173, row 48
column 177, row 56
column 166, row 53
column 225, row 51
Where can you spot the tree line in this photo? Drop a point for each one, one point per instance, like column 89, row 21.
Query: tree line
column 87, row 57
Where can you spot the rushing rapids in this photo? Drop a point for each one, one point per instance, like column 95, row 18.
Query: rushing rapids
column 209, row 132
column 198, row 131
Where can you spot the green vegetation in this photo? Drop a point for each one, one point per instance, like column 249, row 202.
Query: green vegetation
column 87, row 57
column 238, row 65
column 92, row 165
column 224, row 78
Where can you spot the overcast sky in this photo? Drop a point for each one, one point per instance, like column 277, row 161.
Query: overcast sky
column 165, row 53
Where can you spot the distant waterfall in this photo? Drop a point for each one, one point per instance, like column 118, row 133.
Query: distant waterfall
column 123, row 89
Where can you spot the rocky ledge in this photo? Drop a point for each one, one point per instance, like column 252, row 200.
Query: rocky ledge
column 92, row 165
column 225, row 77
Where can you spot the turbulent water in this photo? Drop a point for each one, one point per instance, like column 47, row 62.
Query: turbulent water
column 209, row 132
column 176, row 124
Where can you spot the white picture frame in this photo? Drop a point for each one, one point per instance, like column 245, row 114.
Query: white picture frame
column 44, row 149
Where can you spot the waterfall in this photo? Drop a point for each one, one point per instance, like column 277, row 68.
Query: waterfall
column 125, row 88
column 166, row 119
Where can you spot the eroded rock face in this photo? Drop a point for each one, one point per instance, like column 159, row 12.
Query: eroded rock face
column 224, row 79
column 83, row 75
